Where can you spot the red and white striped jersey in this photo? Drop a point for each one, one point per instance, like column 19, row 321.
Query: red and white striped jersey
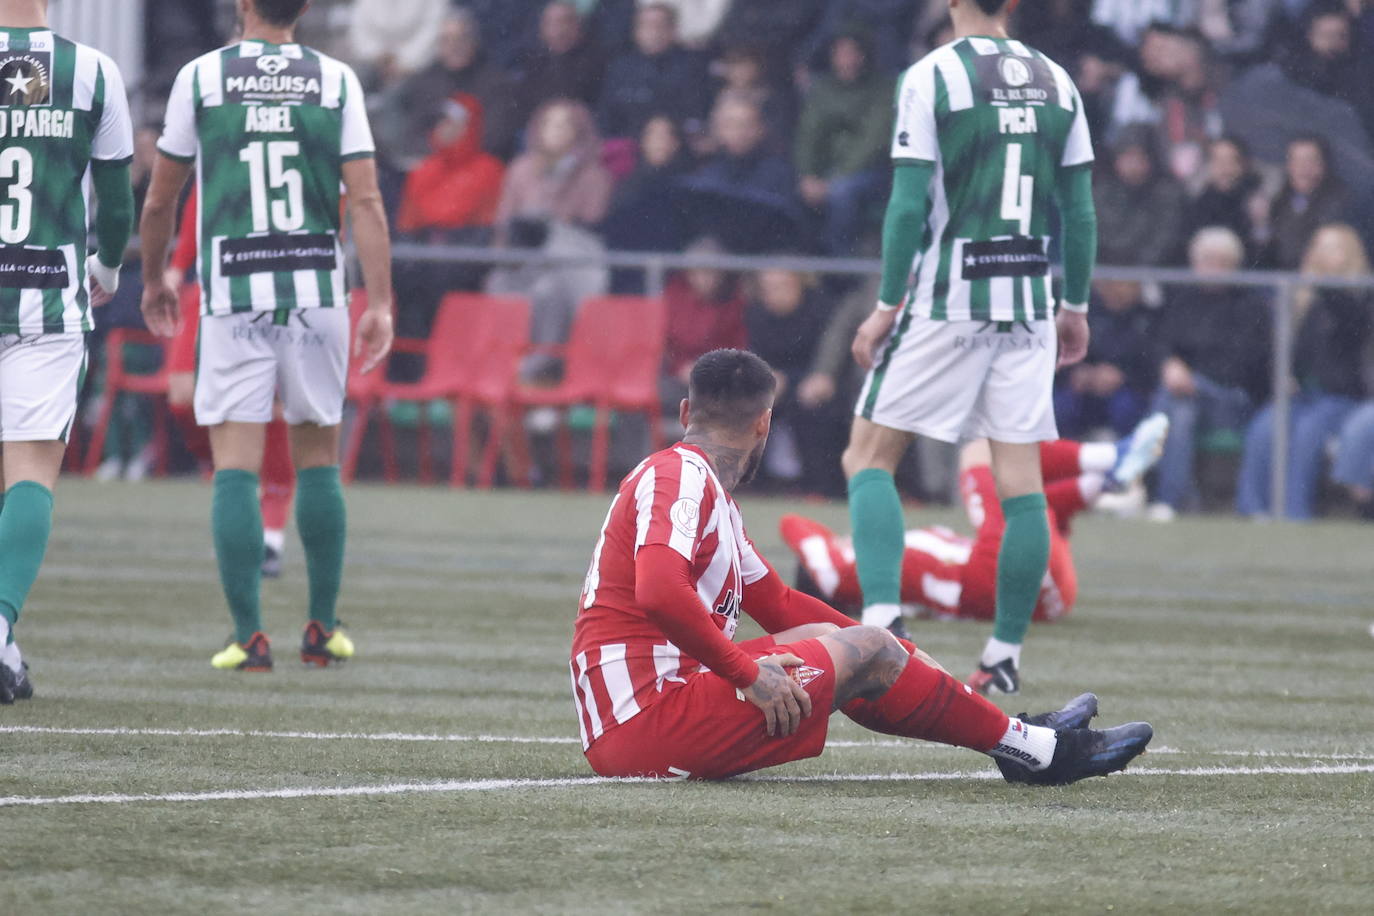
column 620, row 659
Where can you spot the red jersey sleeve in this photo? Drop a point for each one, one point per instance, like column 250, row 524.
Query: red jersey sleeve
column 184, row 255
column 663, row 588
column 776, row 607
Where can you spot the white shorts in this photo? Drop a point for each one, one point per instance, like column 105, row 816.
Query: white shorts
column 960, row 380
column 246, row 361
column 40, row 378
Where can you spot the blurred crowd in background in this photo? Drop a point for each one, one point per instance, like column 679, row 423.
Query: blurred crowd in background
column 1231, row 134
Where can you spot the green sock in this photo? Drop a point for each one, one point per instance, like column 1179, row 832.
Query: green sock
column 322, row 521
column 875, row 513
column 236, row 520
column 1021, row 565
column 25, row 523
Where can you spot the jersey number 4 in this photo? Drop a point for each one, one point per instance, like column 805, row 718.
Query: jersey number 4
column 267, row 172
column 1018, row 191
column 16, row 214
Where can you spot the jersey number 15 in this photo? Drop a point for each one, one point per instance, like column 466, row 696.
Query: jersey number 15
column 267, row 171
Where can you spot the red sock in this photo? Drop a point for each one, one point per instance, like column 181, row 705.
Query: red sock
column 926, row 703
column 1059, row 459
column 278, row 477
column 1065, row 499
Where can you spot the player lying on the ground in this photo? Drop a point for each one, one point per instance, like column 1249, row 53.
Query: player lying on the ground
column 662, row 690
column 945, row 574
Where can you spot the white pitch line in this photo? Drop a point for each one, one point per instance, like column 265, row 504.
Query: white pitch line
column 305, row 736
column 497, row 785
column 118, row 731
column 395, row 788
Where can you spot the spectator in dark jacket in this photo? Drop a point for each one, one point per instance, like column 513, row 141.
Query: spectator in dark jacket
column 405, row 116
column 1112, row 386
column 1064, row 30
column 743, row 195
column 1312, row 196
column 1333, row 327
column 644, row 214
column 746, row 74
column 1214, row 340
column 777, row 26
column 657, row 76
column 508, row 27
column 1230, row 195
column 891, row 22
column 842, row 142
column 1140, row 207
column 786, row 320
column 1323, row 56
column 564, row 63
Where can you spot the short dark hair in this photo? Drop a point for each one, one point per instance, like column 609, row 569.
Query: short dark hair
column 728, row 389
column 280, row 12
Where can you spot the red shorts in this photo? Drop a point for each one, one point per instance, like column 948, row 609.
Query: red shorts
column 704, row 729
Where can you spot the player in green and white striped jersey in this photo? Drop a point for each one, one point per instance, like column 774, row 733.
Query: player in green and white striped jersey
column 64, row 130
column 991, row 137
column 274, row 130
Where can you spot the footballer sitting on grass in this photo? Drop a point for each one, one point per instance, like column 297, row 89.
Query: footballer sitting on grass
column 662, row 690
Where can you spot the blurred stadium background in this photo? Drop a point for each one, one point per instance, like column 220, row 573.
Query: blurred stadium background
column 654, row 180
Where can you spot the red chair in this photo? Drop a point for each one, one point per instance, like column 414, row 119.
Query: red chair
column 613, row 359
column 497, row 336
column 470, row 356
column 119, row 380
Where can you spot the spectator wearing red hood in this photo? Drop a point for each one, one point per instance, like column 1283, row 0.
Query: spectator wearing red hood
column 458, row 186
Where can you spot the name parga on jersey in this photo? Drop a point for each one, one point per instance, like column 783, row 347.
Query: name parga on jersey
column 62, row 106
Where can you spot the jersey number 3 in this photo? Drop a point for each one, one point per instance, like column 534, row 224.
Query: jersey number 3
column 267, row 171
column 16, row 214
column 1018, row 191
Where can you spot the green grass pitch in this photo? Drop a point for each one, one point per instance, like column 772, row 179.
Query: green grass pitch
column 1247, row 646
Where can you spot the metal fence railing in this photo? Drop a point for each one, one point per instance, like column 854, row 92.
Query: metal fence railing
column 655, row 267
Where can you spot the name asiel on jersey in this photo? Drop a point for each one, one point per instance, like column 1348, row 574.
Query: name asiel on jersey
column 37, row 123
column 268, row 119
